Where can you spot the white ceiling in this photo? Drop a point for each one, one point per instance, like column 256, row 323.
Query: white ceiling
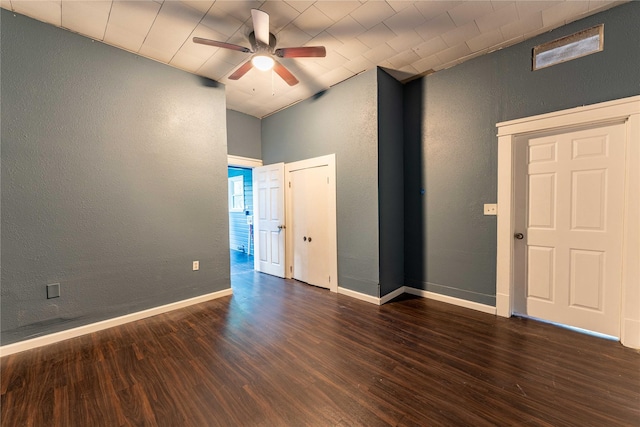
column 407, row 38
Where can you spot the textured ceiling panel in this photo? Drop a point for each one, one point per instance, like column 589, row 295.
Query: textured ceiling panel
column 407, row 38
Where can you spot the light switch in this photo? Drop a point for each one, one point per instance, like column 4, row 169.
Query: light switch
column 490, row 209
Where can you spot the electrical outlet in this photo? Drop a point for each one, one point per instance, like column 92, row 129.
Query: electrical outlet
column 53, row 290
column 490, row 209
column 196, row 265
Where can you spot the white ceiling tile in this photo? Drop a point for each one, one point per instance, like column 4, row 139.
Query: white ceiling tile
column 497, row 19
column 300, row 5
column 454, row 53
column 239, row 9
column 461, row 34
column 408, row 40
column 428, row 63
column 405, row 20
column 6, row 4
column 130, row 22
column 216, row 68
column 597, row 5
column 173, row 26
column 224, row 24
column 400, row 74
column 46, row 11
column 312, row 21
column 376, row 35
column 436, row 27
column 399, row 5
column 335, row 76
column 88, row 18
column 192, row 56
column 336, row 10
column 430, row 47
column 346, row 29
column 469, row 10
column 499, row 4
column 523, row 26
column 372, row 13
column 280, row 14
column 432, row 9
column 403, row 59
column 560, row 13
column 332, row 60
column 530, row 7
column 199, row 5
column 485, row 41
column 327, row 40
column 292, row 36
column 358, row 64
column 379, row 53
column 352, row 48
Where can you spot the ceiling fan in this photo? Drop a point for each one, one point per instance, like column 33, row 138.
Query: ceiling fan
column 263, row 45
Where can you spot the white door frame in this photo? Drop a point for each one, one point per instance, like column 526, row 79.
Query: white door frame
column 625, row 110
column 244, row 162
column 330, row 161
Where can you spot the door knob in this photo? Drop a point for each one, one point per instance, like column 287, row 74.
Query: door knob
column 309, row 239
column 519, row 236
column 280, row 227
column 304, row 238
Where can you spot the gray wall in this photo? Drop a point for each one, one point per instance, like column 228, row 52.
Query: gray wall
column 342, row 120
column 390, row 183
column 114, row 178
column 243, row 135
column 451, row 144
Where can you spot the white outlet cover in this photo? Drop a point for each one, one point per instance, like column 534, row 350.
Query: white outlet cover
column 490, row 209
column 196, row 265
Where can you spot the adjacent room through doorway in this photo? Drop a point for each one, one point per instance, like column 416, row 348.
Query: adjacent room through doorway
column 240, row 219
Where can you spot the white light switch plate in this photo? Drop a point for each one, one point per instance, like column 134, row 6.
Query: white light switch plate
column 196, row 265
column 490, row 209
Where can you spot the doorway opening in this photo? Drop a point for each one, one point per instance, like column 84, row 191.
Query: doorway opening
column 241, row 240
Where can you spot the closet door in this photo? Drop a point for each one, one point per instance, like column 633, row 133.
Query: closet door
column 310, row 226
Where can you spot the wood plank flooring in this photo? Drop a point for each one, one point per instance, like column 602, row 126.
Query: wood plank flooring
column 282, row 353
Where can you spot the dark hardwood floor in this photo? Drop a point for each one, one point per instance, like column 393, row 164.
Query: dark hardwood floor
column 282, row 353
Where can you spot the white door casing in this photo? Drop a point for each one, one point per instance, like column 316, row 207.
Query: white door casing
column 626, row 111
column 326, row 164
column 269, row 219
column 574, row 220
column 309, row 225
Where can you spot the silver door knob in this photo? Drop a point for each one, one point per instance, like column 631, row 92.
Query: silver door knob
column 519, row 236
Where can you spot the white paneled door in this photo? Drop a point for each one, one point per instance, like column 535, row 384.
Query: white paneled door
column 269, row 233
column 310, row 225
column 574, row 225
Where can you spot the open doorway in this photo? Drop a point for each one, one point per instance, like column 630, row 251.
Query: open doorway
column 241, row 240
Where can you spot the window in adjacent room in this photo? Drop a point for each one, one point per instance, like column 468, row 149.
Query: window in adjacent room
column 236, row 194
column 576, row 45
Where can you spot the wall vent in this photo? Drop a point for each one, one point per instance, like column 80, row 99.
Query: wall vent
column 565, row 49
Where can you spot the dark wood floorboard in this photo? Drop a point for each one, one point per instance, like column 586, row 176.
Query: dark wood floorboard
column 282, row 353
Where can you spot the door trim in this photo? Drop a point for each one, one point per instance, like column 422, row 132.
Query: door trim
column 330, row 161
column 244, row 162
column 625, row 110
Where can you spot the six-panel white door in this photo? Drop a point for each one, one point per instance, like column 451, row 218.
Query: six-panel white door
column 574, row 230
column 269, row 233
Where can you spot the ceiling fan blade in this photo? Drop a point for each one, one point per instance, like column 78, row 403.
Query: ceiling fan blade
column 244, row 68
column 301, row 52
column 221, row 44
column 261, row 25
column 286, row 75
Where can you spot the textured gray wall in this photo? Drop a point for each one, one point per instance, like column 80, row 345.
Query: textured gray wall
column 243, row 135
column 114, row 178
column 390, row 183
column 451, row 144
column 342, row 120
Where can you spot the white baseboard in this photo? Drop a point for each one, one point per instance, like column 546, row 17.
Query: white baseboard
column 358, row 295
column 109, row 323
column 451, row 300
column 388, row 297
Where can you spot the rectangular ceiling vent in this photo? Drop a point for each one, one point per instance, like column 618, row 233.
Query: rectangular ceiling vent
column 565, row 49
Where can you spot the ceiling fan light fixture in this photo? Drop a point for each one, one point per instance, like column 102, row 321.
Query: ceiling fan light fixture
column 262, row 62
